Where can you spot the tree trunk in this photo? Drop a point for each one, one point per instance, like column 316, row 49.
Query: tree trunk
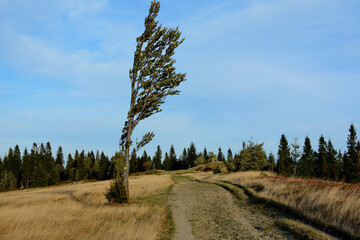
column 126, row 171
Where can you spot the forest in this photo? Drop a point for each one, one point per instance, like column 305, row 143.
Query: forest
column 39, row 167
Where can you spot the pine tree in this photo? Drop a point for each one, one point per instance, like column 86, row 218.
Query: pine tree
column 230, row 156
column 16, row 164
column 40, row 176
column 331, row 154
column 183, row 162
column 172, row 158
column 133, row 163
column 191, row 155
column 205, row 155
column 284, row 162
column 271, row 162
column 167, row 162
column 59, row 164
column 157, row 158
column 27, row 168
column 350, row 167
column 70, row 170
column 307, row 165
column 82, row 168
column 322, row 170
column 221, row 155
column 104, row 167
column 52, row 175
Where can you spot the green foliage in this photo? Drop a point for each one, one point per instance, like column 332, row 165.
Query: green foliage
column 153, row 78
column 117, row 192
column 191, row 155
column 9, row 181
column 200, row 160
column 157, row 158
column 307, row 165
column 271, row 162
column 172, row 158
column 351, row 157
column 221, row 155
column 252, row 157
column 147, row 165
column 217, row 169
column 167, row 162
column 133, row 162
column 206, row 156
column 285, row 165
column 322, row 170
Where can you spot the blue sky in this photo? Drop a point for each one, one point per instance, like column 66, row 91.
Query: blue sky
column 255, row 69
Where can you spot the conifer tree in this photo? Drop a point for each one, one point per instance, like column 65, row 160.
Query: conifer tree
column 40, row 176
column 52, row 175
column 70, row 170
column 167, row 162
column 157, row 158
column 221, row 155
column 9, row 160
column 144, row 158
column 82, row 167
column 104, row 166
column 284, row 162
column 183, row 159
column 15, row 165
column 153, row 78
column 133, row 162
column 351, row 157
column 205, row 155
column 172, row 158
column 321, row 162
column 307, row 165
column 333, row 173
column 59, row 163
column 27, row 168
column 271, row 162
column 191, row 155
column 230, row 156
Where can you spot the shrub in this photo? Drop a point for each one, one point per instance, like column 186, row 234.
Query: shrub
column 117, row 191
column 217, row 169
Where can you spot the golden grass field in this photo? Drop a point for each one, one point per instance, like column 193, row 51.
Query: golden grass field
column 332, row 203
column 80, row 211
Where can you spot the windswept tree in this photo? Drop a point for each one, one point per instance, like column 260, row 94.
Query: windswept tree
column 153, row 78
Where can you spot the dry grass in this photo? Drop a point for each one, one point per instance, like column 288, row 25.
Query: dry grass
column 331, row 203
column 80, row 211
column 302, row 231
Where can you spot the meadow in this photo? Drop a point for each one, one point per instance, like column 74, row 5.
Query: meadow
column 80, row 211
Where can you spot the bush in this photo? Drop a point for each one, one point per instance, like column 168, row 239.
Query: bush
column 117, row 191
column 217, row 169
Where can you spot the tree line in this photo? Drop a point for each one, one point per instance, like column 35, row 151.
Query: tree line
column 325, row 163
column 39, row 167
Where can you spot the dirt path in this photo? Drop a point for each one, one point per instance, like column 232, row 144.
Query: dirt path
column 207, row 211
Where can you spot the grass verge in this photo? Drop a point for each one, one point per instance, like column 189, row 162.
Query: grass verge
column 333, row 230
column 161, row 200
column 301, row 230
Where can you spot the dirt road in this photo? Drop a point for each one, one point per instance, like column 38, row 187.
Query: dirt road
column 207, row 211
